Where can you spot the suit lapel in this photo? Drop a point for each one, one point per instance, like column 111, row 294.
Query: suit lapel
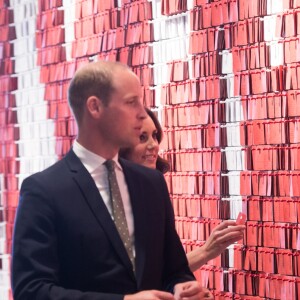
column 140, row 216
column 93, row 198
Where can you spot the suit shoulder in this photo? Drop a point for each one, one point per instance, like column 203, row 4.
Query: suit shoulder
column 139, row 169
column 56, row 167
column 51, row 173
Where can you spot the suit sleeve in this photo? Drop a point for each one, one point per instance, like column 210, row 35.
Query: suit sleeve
column 176, row 265
column 35, row 261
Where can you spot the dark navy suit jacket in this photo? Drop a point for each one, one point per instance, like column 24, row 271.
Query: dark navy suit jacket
column 66, row 245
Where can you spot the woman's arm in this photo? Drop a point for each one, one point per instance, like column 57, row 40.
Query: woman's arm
column 221, row 237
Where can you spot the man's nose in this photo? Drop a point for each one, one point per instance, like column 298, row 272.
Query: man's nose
column 142, row 114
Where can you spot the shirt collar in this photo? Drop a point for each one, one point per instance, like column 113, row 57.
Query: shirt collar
column 91, row 160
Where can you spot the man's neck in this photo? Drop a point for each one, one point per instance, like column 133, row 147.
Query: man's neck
column 104, row 150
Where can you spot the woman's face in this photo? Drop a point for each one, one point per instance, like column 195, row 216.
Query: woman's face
column 145, row 153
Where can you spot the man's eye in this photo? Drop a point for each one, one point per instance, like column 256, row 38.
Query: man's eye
column 131, row 102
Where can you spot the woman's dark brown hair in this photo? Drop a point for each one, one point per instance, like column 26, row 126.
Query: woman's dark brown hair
column 161, row 164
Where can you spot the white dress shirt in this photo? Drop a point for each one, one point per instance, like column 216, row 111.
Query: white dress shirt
column 95, row 166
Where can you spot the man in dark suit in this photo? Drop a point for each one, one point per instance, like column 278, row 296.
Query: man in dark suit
column 66, row 242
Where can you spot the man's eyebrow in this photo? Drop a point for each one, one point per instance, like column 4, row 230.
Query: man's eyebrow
column 135, row 97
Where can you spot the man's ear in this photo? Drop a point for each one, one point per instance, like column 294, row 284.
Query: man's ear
column 94, row 106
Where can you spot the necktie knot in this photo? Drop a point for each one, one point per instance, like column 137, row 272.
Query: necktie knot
column 110, row 165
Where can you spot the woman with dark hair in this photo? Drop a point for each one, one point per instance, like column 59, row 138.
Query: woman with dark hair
column 146, row 154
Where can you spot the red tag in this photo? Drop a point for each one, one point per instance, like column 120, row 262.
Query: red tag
column 241, row 219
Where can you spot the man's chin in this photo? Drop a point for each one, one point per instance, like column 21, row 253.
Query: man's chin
column 131, row 143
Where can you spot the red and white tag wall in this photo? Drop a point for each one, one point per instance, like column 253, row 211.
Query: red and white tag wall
column 223, row 76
